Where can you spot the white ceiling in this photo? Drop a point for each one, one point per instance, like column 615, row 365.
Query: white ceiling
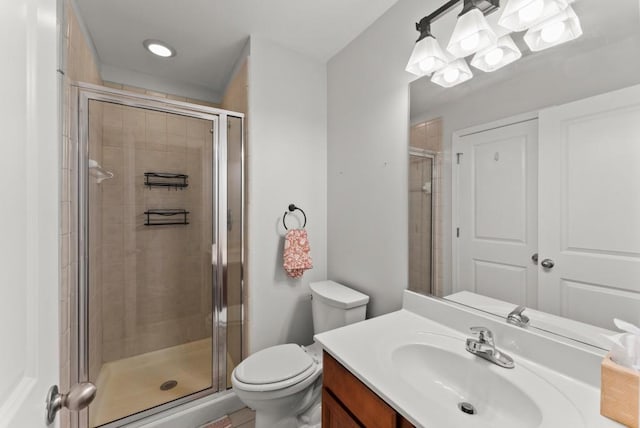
column 209, row 35
column 603, row 23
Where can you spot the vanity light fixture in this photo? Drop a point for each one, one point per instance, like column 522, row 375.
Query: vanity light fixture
column 454, row 73
column 520, row 15
column 472, row 32
column 494, row 57
column 556, row 30
column 549, row 23
column 159, row 48
column 427, row 55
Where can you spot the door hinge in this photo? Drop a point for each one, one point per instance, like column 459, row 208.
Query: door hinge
column 458, row 156
column 457, row 232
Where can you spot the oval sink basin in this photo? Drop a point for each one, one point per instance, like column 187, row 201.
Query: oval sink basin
column 446, row 375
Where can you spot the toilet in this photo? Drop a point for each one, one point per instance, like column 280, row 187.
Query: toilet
column 283, row 383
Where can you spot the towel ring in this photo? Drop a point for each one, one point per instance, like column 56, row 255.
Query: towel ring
column 292, row 208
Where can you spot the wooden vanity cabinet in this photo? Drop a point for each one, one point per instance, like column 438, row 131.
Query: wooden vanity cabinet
column 347, row 402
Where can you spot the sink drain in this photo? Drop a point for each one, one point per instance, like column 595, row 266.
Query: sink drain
column 467, row 408
column 170, row 384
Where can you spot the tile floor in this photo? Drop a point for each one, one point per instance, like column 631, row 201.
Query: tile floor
column 243, row 418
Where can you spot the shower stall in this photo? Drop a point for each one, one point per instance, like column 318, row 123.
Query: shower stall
column 422, row 168
column 160, row 247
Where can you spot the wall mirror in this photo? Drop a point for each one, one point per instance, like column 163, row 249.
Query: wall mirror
column 524, row 186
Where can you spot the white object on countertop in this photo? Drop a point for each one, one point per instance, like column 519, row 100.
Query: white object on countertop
column 626, row 346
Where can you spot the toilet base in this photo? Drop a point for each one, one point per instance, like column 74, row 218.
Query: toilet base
column 312, row 418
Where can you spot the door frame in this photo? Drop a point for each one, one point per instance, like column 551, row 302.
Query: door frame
column 81, row 94
column 456, row 142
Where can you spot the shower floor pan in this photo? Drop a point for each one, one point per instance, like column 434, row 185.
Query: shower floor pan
column 133, row 384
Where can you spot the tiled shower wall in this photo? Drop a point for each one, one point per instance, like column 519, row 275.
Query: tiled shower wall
column 428, row 136
column 156, row 280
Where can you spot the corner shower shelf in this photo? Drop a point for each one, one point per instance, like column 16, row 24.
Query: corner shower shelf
column 166, row 179
column 166, row 217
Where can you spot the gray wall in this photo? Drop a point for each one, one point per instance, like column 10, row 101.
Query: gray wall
column 287, row 163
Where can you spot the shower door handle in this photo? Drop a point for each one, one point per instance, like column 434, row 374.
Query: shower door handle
column 79, row 396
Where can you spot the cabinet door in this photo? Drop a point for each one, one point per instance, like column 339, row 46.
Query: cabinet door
column 497, row 213
column 363, row 404
column 589, row 208
column 334, row 415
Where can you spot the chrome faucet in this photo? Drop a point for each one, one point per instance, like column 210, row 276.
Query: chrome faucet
column 517, row 318
column 484, row 347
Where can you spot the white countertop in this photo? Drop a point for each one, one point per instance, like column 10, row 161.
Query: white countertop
column 364, row 349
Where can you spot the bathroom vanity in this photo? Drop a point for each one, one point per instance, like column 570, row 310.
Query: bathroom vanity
column 411, row 368
column 347, row 402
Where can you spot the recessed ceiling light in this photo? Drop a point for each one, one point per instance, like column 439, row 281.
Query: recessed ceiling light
column 159, row 48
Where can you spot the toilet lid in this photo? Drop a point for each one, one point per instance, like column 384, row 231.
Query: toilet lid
column 274, row 364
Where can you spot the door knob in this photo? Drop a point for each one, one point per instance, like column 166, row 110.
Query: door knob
column 535, row 258
column 547, row 263
column 79, row 396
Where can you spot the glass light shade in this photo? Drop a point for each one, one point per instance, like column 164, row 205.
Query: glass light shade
column 504, row 52
column 556, row 30
column 452, row 74
column 520, row 15
column 471, row 34
column 427, row 57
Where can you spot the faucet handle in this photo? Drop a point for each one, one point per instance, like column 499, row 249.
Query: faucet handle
column 518, row 310
column 484, row 335
column 516, row 317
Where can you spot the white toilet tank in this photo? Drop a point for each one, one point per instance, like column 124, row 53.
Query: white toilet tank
column 334, row 305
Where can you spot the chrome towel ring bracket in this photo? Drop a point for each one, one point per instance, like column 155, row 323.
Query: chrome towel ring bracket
column 292, row 208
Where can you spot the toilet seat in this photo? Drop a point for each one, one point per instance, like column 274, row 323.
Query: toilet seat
column 274, row 368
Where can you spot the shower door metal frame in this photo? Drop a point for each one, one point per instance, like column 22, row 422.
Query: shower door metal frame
column 429, row 154
column 81, row 95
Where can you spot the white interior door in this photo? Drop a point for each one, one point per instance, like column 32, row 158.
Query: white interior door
column 29, row 214
column 590, row 208
column 497, row 213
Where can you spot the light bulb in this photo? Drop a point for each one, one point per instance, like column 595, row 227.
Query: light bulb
column 470, row 43
column 427, row 64
column 494, row 56
column 532, row 11
column 451, row 74
column 160, row 50
column 552, row 32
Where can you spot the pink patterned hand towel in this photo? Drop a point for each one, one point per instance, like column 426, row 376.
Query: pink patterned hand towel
column 297, row 257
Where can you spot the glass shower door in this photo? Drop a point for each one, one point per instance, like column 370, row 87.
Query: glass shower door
column 150, row 213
